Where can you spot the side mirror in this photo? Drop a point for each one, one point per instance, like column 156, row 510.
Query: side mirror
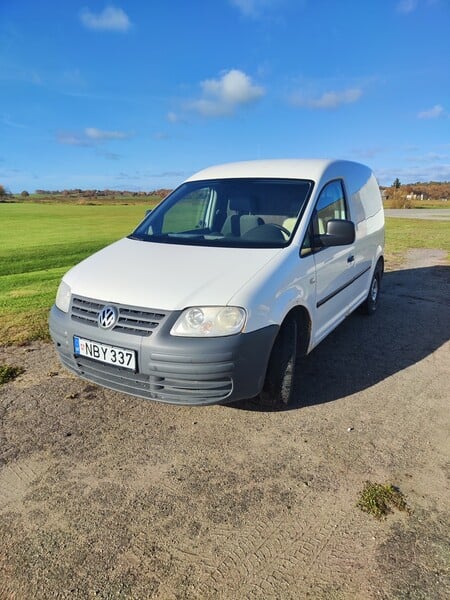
column 340, row 232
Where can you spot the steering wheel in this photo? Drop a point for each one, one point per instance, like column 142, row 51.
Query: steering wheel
column 281, row 228
column 267, row 233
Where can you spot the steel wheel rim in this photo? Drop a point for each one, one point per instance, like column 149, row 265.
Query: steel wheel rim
column 374, row 290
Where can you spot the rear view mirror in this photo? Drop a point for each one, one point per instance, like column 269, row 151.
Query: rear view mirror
column 340, row 232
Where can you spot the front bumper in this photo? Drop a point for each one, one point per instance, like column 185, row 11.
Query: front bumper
column 171, row 369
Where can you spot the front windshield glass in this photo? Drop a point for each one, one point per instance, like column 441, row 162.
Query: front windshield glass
column 257, row 213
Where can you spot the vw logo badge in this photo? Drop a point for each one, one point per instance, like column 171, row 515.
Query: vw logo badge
column 107, row 317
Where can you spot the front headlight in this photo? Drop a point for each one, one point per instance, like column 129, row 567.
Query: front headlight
column 209, row 321
column 63, row 297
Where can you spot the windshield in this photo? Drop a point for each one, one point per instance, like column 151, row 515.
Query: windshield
column 257, row 213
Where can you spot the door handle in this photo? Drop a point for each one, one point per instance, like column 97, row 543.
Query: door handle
column 350, row 259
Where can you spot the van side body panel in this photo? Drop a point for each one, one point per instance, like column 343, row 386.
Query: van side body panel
column 366, row 211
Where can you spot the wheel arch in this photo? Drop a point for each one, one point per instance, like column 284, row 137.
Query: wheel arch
column 281, row 378
column 380, row 262
column 304, row 319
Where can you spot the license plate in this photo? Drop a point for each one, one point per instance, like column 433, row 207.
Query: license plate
column 120, row 357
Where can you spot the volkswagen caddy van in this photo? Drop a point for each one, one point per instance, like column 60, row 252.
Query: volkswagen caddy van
column 226, row 284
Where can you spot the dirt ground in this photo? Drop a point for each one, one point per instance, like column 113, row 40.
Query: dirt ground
column 107, row 496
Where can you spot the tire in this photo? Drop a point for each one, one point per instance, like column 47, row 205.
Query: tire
column 281, row 385
column 370, row 304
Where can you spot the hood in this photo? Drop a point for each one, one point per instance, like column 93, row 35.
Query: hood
column 166, row 276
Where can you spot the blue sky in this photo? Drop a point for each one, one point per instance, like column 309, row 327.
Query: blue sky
column 138, row 95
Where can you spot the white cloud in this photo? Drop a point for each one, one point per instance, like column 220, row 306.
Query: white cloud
column 407, row 6
column 73, row 78
column 433, row 113
column 161, row 136
column 429, row 157
column 109, row 155
column 6, row 120
column 71, row 139
column 224, row 95
column 172, row 117
column 369, row 152
column 327, row 100
column 91, row 136
column 109, row 19
column 249, row 8
column 128, row 176
column 169, row 174
column 100, row 135
column 255, row 8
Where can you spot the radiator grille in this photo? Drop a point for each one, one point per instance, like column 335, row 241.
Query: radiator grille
column 132, row 320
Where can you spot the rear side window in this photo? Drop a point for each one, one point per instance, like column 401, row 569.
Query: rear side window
column 330, row 205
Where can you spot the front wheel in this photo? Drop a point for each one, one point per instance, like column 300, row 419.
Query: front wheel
column 281, row 386
column 370, row 304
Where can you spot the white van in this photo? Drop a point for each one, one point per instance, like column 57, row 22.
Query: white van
column 227, row 283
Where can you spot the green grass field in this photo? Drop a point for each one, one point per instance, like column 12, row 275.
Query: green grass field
column 402, row 234
column 40, row 242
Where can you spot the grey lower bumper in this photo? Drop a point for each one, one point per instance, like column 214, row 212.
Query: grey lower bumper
column 177, row 370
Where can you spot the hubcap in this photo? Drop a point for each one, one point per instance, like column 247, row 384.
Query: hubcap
column 374, row 290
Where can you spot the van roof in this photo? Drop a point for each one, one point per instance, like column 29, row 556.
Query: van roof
column 290, row 168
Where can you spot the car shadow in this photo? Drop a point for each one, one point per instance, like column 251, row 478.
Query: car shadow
column 412, row 321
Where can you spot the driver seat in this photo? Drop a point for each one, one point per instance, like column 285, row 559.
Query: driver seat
column 238, row 224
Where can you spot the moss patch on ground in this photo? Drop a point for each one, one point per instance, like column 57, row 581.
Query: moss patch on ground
column 379, row 499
